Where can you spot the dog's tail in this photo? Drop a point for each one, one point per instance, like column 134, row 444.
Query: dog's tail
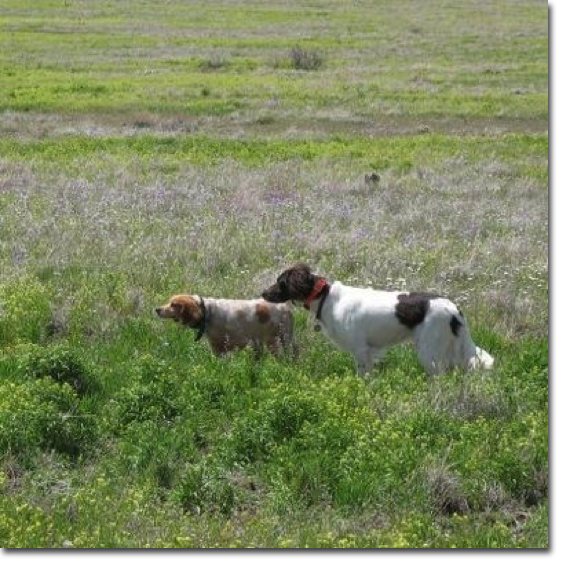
column 481, row 360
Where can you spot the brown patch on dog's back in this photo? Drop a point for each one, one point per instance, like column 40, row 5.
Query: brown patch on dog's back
column 263, row 313
column 412, row 307
column 241, row 316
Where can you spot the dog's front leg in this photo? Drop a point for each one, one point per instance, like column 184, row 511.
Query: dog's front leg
column 363, row 362
column 367, row 358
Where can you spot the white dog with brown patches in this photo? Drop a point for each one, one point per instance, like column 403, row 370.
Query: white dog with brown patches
column 365, row 322
column 234, row 324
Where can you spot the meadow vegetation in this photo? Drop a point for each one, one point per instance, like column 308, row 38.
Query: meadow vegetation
column 203, row 147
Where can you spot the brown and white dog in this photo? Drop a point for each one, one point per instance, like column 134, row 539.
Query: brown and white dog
column 365, row 322
column 234, row 324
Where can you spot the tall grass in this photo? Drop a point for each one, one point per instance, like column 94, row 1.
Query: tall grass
column 145, row 152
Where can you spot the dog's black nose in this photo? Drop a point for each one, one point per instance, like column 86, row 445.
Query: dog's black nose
column 158, row 310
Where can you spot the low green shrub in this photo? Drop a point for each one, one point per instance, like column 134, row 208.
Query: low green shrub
column 25, row 311
column 60, row 363
column 43, row 415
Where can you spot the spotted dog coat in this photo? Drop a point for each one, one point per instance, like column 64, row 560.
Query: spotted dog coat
column 366, row 322
column 234, row 324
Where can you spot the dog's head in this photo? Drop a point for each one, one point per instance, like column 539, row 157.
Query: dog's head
column 296, row 283
column 182, row 308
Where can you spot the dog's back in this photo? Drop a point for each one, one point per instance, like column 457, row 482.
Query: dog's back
column 233, row 324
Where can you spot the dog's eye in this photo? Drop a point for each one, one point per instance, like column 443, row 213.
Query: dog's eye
column 282, row 285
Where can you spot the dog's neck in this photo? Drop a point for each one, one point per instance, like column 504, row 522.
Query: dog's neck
column 317, row 297
column 202, row 327
column 216, row 317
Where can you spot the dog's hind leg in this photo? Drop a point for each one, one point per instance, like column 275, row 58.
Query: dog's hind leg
column 435, row 346
column 467, row 355
column 286, row 338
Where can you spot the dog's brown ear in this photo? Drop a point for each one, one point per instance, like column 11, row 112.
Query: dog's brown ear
column 295, row 283
column 188, row 310
column 300, row 281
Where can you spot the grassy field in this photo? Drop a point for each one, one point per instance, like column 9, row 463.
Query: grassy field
column 152, row 148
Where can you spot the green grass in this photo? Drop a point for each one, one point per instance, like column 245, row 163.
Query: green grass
column 266, row 444
column 399, row 153
column 149, row 151
column 236, row 90
column 378, row 61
